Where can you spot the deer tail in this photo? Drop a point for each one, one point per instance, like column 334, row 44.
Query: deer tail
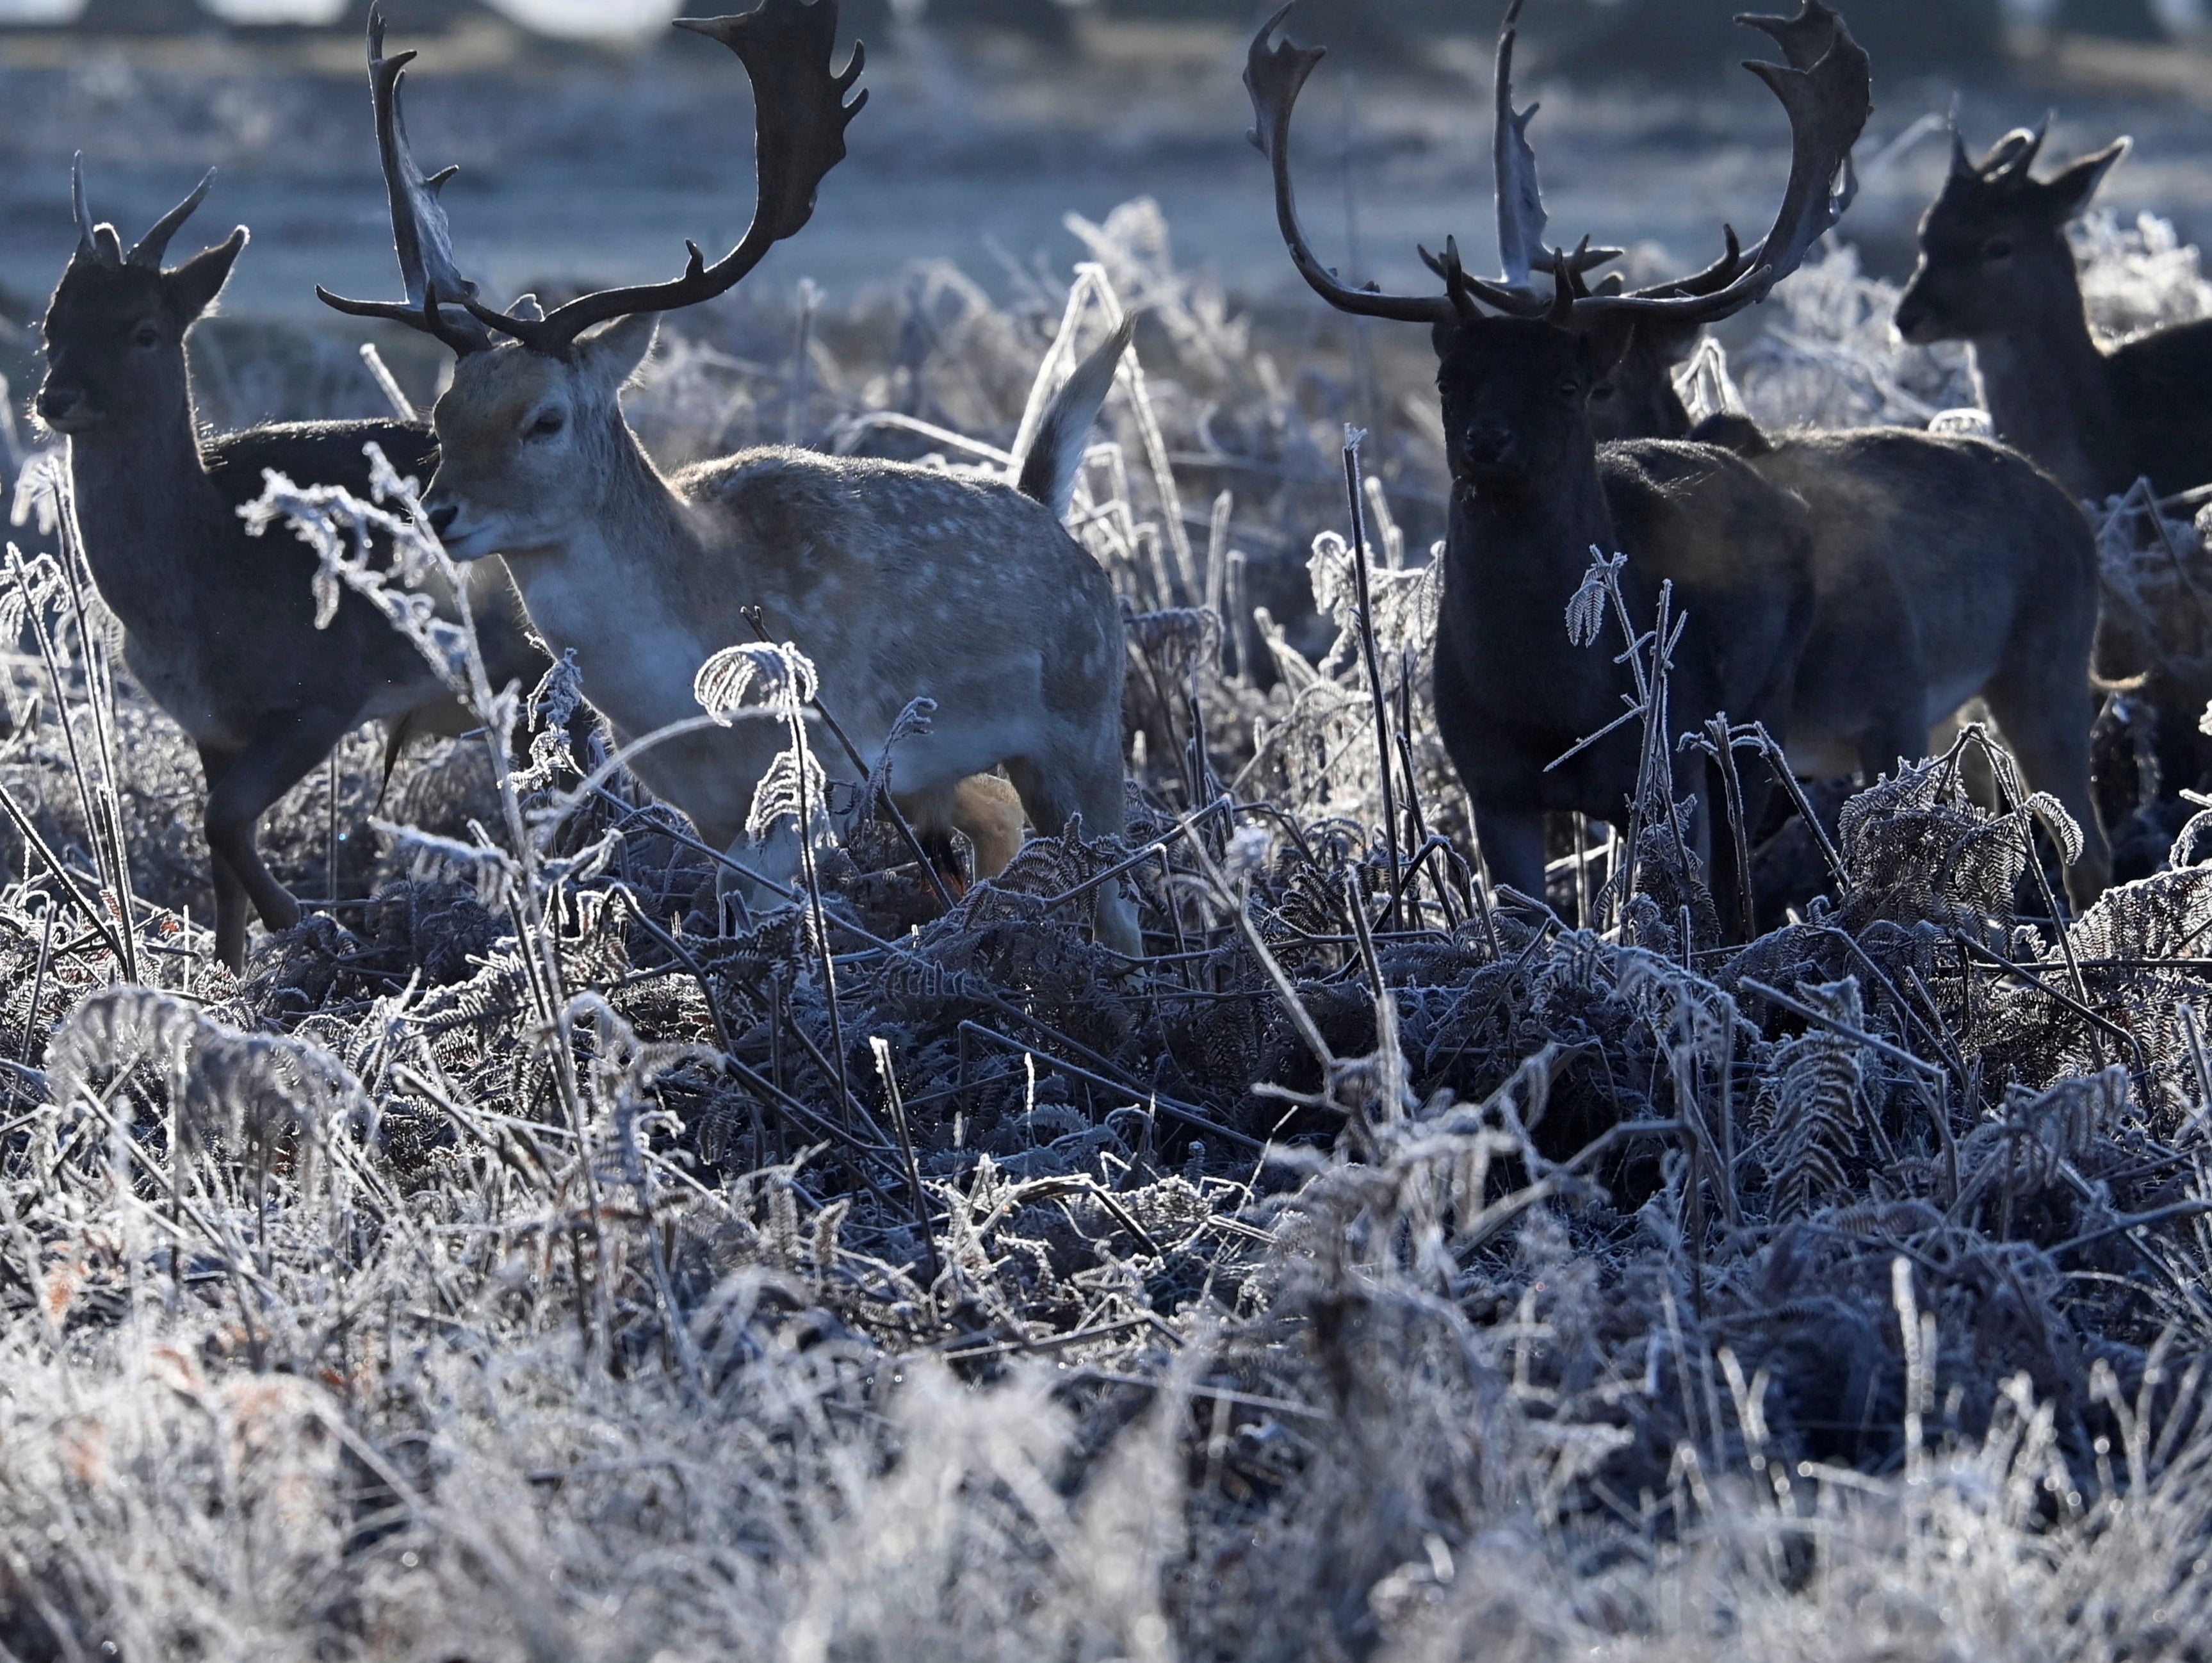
column 1048, row 471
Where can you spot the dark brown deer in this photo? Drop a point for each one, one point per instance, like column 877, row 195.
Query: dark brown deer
column 219, row 626
column 1535, row 492
column 898, row 581
column 1996, row 272
column 1945, row 568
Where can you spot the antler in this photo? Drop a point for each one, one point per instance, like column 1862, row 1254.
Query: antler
column 785, row 47
column 1521, row 216
column 1824, row 86
column 2009, row 159
column 1827, row 91
column 419, row 231
column 1275, row 76
column 147, row 250
column 99, row 242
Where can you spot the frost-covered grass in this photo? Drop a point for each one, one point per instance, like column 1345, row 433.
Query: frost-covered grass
column 499, row 1271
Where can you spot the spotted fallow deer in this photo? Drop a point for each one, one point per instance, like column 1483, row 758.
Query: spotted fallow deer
column 1996, row 271
column 1534, row 491
column 898, row 582
column 219, row 626
column 1945, row 568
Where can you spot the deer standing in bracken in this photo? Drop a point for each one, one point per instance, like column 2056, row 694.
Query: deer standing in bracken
column 1996, row 271
column 1534, row 492
column 1945, row 568
column 898, row 582
column 219, row 626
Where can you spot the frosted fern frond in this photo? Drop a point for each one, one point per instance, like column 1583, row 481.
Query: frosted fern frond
column 794, row 788
column 2065, row 831
column 1813, row 1110
column 2025, row 1149
column 778, row 679
column 38, row 491
column 242, row 1085
column 553, row 706
column 1915, row 848
column 34, row 585
column 1586, row 609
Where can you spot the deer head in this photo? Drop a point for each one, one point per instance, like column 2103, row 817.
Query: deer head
column 530, row 429
column 1519, row 360
column 1993, row 245
column 115, row 330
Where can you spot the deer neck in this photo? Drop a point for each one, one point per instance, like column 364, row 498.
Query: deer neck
column 2050, row 394
column 148, row 512
column 610, row 590
column 1517, row 556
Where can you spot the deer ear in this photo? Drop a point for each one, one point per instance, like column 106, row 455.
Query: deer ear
column 191, row 288
column 1444, row 337
column 2069, row 193
column 614, row 352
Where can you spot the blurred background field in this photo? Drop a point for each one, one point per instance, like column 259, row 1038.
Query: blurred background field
column 592, row 158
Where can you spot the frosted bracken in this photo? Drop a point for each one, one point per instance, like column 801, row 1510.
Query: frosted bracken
column 505, row 1268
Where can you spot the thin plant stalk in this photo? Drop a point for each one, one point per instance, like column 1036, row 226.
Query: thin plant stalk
column 1384, row 765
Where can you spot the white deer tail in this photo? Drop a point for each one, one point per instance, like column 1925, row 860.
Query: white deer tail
column 1048, row 472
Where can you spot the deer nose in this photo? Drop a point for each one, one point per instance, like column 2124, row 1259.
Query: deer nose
column 1489, row 441
column 55, row 403
column 442, row 517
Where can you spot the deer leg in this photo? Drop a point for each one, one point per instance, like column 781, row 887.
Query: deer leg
column 1513, row 848
column 1053, row 795
column 229, row 888
column 264, row 770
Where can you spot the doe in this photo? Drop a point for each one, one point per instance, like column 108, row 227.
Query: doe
column 1996, row 271
column 219, row 626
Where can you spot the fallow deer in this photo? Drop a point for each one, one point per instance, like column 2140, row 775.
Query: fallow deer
column 1996, row 271
column 898, row 582
column 219, row 626
column 1534, row 492
column 1945, row 568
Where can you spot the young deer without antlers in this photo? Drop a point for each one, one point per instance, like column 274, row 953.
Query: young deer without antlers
column 220, row 626
column 898, row 582
column 1996, row 271
column 1944, row 568
column 1534, row 492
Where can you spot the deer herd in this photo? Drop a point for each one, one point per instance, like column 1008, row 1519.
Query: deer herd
column 1848, row 590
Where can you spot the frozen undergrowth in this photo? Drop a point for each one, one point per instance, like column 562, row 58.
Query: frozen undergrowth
column 498, row 1272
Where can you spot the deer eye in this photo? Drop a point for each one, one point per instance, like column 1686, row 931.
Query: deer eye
column 147, row 336
column 1602, row 390
column 1997, row 248
column 1570, row 391
column 546, row 423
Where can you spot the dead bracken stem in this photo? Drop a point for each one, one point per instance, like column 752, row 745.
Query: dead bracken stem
column 1384, row 764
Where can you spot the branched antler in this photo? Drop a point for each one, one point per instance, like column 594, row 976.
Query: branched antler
column 1824, row 86
column 419, row 231
column 785, row 47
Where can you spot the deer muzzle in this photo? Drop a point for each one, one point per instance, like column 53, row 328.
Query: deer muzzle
column 65, row 409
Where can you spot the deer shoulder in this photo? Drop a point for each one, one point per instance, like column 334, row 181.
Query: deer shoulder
column 1738, row 549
